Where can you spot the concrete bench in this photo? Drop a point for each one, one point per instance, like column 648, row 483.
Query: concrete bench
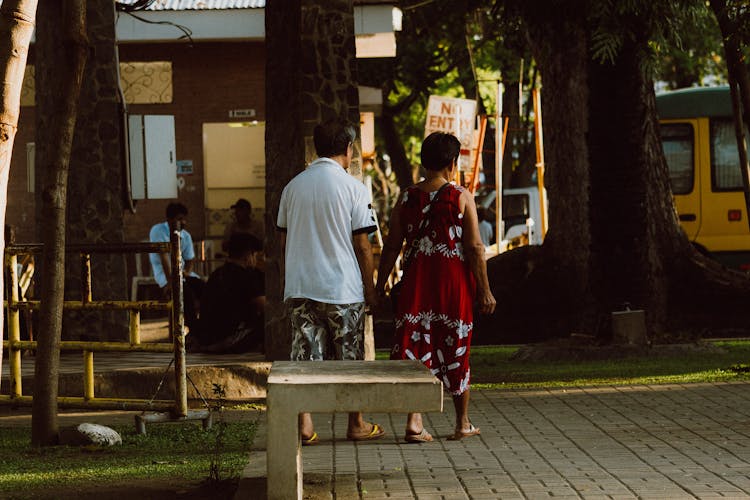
column 335, row 386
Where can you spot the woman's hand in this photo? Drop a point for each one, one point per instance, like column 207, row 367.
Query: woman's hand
column 486, row 301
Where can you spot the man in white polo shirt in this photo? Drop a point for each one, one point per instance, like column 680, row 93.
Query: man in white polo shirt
column 324, row 220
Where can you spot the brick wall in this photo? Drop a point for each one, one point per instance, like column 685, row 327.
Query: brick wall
column 208, row 79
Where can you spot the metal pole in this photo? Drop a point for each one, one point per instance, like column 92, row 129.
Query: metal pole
column 499, row 150
column 14, row 328
column 86, row 296
column 178, row 322
column 135, row 326
column 537, row 96
column 88, row 375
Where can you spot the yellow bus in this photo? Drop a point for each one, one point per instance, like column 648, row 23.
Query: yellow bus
column 699, row 143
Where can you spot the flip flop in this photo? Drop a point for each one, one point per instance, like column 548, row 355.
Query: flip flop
column 460, row 433
column 314, row 439
column 421, row 437
column 376, row 432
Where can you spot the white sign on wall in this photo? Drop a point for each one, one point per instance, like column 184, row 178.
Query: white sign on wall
column 455, row 116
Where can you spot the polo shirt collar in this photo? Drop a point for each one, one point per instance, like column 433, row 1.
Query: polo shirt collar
column 320, row 162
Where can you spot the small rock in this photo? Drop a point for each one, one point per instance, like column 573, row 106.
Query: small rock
column 87, row 434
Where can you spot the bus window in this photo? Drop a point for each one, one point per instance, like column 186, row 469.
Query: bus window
column 677, row 142
column 725, row 164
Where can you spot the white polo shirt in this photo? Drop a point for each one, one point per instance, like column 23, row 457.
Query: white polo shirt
column 320, row 211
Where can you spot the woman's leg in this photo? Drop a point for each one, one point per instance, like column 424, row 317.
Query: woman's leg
column 461, row 403
column 414, row 423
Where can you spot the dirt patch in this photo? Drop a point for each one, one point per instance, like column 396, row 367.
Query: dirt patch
column 141, row 489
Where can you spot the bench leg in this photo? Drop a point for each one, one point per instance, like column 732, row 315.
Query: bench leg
column 283, row 451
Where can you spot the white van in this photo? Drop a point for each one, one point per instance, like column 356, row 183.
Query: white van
column 520, row 211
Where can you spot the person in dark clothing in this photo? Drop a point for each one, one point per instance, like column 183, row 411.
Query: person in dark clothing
column 233, row 300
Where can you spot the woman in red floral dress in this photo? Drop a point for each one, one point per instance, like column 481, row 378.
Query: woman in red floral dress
column 444, row 272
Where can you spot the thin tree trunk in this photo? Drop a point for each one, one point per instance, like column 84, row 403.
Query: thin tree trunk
column 739, row 84
column 61, row 37
column 16, row 29
column 399, row 161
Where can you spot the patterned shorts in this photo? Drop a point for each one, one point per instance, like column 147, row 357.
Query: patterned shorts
column 326, row 331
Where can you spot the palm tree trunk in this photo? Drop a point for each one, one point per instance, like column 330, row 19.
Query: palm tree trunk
column 16, row 29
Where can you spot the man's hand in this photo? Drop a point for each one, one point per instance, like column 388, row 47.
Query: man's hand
column 372, row 301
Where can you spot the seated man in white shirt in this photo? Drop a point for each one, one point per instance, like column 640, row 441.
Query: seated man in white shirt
column 160, row 263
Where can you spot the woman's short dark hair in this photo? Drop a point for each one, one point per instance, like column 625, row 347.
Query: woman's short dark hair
column 439, row 149
column 332, row 137
column 175, row 209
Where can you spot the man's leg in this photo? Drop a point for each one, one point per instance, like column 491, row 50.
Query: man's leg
column 347, row 322
column 309, row 340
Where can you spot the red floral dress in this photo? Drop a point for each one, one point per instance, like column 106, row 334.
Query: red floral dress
column 434, row 317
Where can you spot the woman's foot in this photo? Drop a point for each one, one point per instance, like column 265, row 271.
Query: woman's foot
column 464, row 432
column 419, row 437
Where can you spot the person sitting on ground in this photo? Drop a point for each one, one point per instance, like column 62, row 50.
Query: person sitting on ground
column 242, row 223
column 233, row 301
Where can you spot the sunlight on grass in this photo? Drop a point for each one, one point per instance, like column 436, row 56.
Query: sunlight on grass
column 174, row 450
column 492, row 367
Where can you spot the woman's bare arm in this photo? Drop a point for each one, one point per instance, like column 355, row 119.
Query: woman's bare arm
column 474, row 253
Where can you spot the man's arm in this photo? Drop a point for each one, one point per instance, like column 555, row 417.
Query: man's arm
column 156, row 236
column 187, row 268
column 363, row 251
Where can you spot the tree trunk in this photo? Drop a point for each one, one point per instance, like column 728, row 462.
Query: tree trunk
column 739, row 85
column 545, row 292
column 95, row 207
column 61, row 37
column 16, row 29
column 311, row 75
column 395, row 147
column 635, row 230
column 614, row 234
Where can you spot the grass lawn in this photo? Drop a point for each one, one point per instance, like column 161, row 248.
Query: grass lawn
column 177, row 456
column 492, row 367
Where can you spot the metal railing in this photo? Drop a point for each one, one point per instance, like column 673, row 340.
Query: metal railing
column 177, row 408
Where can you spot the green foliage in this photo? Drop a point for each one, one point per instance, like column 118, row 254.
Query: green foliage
column 433, row 57
column 694, row 51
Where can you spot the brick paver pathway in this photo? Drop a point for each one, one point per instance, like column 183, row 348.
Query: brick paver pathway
column 660, row 442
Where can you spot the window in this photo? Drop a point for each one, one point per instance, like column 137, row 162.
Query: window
column 677, row 143
column 725, row 163
column 515, row 209
column 146, row 82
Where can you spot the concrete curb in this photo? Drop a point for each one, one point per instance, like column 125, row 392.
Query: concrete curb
column 240, row 381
